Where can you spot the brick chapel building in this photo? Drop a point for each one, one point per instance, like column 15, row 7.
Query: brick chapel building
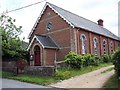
column 58, row 31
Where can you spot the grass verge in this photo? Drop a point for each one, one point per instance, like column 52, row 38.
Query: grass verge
column 61, row 74
column 113, row 82
column 108, row 70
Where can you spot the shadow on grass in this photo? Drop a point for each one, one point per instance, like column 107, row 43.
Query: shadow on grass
column 112, row 84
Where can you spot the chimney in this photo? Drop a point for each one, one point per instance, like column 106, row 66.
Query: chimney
column 100, row 22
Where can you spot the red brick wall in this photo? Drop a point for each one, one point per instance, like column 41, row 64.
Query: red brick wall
column 50, row 56
column 116, row 44
column 79, row 43
column 59, row 33
column 90, row 43
column 62, row 52
column 66, row 37
column 57, row 23
column 47, row 55
column 111, row 49
column 101, row 42
column 92, row 36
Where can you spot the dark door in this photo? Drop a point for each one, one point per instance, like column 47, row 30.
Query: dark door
column 37, row 56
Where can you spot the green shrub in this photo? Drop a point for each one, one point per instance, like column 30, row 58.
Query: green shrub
column 74, row 60
column 78, row 61
column 88, row 59
column 91, row 60
column 62, row 74
column 97, row 60
column 116, row 61
column 105, row 58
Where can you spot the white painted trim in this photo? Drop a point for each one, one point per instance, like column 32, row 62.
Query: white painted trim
column 95, row 38
column 111, row 43
column 104, row 40
column 39, row 43
column 60, row 62
column 37, row 20
column 47, row 4
column 95, row 44
column 104, row 48
column 83, row 50
column 83, row 35
column 32, row 42
column 60, row 15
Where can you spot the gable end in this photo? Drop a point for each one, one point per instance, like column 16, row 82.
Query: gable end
column 44, row 8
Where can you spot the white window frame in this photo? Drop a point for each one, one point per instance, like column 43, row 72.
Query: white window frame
column 47, row 26
column 111, row 46
column 83, row 41
column 104, row 48
column 95, row 45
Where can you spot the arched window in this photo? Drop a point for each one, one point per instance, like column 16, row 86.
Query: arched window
column 104, row 46
column 95, row 40
column 49, row 26
column 83, row 38
column 111, row 46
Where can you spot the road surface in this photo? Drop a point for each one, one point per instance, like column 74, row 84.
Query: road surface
column 7, row 83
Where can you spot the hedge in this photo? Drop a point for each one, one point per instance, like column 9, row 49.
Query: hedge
column 116, row 61
column 78, row 61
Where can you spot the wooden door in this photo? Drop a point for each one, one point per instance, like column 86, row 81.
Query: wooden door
column 37, row 56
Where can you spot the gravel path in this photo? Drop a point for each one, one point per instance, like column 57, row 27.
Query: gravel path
column 94, row 79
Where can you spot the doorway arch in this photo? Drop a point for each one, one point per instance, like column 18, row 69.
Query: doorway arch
column 37, row 56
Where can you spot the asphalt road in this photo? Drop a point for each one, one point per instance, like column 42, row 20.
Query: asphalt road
column 7, row 83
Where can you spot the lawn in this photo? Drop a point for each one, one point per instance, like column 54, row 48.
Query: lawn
column 61, row 74
column 113, row 82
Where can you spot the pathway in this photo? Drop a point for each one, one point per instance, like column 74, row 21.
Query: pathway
column 94, row 79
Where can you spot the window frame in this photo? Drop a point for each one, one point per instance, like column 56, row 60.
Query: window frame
column 104, row 46
column 49, row 28
column 111, row 46
column 95, row 45
column 83, row 41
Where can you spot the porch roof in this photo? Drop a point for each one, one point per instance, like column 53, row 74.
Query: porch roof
column 45, row 41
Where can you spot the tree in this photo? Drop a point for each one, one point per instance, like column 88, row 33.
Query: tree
column 116, row 58
column 11, row 43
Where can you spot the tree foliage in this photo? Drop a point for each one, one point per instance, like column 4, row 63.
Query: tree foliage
column 116, row 59
column 11, row 43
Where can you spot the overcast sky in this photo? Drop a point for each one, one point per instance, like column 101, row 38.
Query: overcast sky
column 89, row 9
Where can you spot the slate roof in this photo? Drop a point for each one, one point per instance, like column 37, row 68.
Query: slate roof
column 77, row 21
column 45, row 41
column 81, row 22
